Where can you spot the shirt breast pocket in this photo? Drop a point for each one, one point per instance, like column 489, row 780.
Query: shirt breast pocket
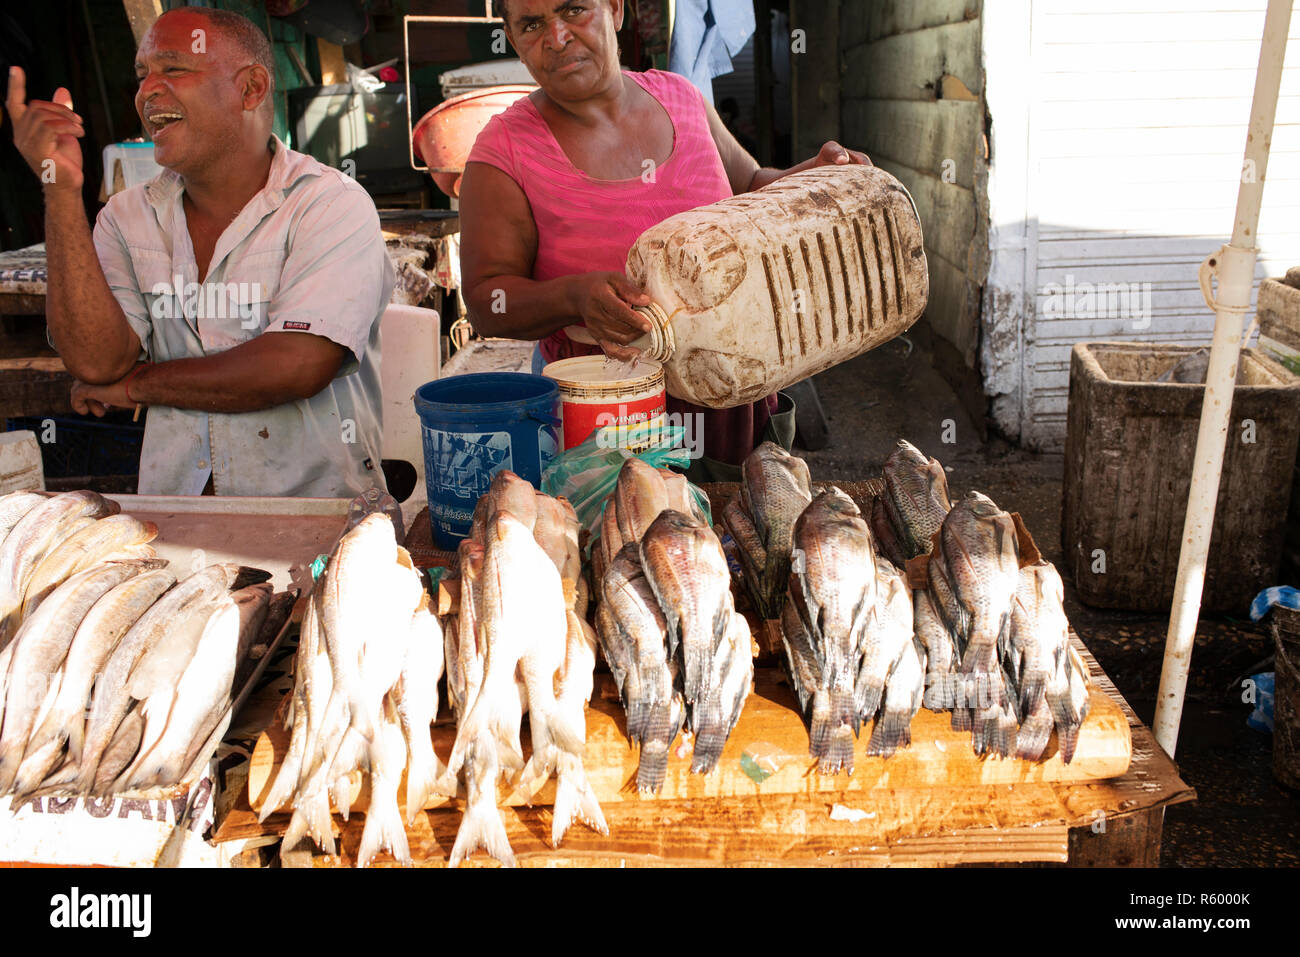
column 239, row 307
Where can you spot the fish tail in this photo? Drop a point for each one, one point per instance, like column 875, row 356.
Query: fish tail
column 311, row 818
column 892, row 730
column 340, row 791
column 383, row 831
column 867, row 695
column 282, row 788
column 820, row 725
column 1032, row 688
column 422, row 777
column 711, row 736
column 938, row 690
column 695, row 667
column 37, row 763
column 1069, row 740
column 638, row 719
column 482, row 825
column 574, row 800
column 1033, row 736
column 653, row 767
column 839, row 752
column 962, row 719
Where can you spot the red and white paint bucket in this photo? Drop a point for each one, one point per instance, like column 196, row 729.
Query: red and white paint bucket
column 596, row 392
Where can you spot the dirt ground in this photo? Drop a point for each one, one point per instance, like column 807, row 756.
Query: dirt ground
column 1242, row 817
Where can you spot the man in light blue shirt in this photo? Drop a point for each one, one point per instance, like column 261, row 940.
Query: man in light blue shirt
column 238, row 294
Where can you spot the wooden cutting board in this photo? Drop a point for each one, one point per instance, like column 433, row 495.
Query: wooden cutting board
column 767, row 754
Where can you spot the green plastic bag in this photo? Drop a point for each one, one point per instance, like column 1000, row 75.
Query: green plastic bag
column 587, row 474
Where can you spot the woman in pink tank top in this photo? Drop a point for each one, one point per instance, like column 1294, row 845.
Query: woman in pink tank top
column 559, row 186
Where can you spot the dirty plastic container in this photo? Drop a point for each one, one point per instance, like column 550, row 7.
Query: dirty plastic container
column 596, row 392
column 761, row 290
column 472, row 427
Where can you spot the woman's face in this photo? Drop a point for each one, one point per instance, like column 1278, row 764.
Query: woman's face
column 569, row 46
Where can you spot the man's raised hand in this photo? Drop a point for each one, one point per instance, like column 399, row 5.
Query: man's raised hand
column 46, row 134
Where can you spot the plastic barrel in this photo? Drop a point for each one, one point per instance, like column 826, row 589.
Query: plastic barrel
column 473, row 426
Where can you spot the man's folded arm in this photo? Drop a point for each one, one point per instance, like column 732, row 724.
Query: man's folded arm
column 87, row 324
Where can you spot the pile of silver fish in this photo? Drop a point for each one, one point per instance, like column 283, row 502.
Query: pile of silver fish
column 365, row 694
column 678, row 651
column 518, row 644
column 115, row 676
column 986, row 638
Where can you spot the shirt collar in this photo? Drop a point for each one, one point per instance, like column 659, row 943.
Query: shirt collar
column 287, row 167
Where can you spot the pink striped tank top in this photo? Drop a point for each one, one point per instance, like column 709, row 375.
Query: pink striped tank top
column 588, row 225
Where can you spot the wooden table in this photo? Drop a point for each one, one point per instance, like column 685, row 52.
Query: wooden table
column 1111, row 822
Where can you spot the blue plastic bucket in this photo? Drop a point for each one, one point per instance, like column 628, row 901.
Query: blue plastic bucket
column 472, row 427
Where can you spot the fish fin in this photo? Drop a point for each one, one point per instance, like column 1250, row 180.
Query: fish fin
column 961, row 719
column 383, row 831
column 422, row 779
column 282, row 788
column 868, row 693
column 482, row 825
column 892, row 730
column 1032, row 738
column 311, row 818
column 1033, row 685
column 839, row 752
column 574, row 800
column 653, row 766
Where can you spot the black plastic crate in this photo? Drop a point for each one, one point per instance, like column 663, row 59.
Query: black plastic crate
column 82, row 447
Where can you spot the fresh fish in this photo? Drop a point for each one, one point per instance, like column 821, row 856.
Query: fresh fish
column 14, row 505
column 904, row 694
column 121, row 750
column 507, row 492
column 636, row 647
column 556, row 531
column 715, row 716
column 38, row 532
column 941, row 655
column 92, row 544
column 749, row 548
column 611, row 539
column 1067, row 696
column 687, row 571
column 524, row 625
column 39, row 651
column 886, row 639
column 680, row 497
column 196, row 595
column 383, row 829
column 639, row 497
column 981, row 560
column 465, row 667
column 882, row 531
column 174, row 714
column 365, row 594
column 574, row 798
column 416, row 698
column 833, row 585
column 1040, row 631
column 313, row 681
column 915, row 498
column 775, row 489
column 96, row 637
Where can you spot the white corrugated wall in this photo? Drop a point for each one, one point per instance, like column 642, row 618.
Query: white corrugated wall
column 1117, row 147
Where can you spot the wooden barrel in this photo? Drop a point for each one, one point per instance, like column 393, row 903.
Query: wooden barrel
column 1286, row 697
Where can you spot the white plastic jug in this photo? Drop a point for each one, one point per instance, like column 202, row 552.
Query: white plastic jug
column 761, row 290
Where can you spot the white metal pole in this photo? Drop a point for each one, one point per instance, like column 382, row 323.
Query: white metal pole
column 1234, row 265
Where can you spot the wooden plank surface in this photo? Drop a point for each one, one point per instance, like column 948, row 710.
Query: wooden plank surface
column 767, row 753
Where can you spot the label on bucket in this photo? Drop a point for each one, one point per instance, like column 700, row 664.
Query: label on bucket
column 581, row 419
column 460, row 466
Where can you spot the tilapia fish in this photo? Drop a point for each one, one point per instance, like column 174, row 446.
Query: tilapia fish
column 415, row 697
column 639, row 497
column 633, row 635
column 1052, row 681
column 775, row 489
column 891, row 684
column 833, row 585
column 912, row 507
column 981, row 561
column 682, row 560
column 39, row 650
column 574, row 798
